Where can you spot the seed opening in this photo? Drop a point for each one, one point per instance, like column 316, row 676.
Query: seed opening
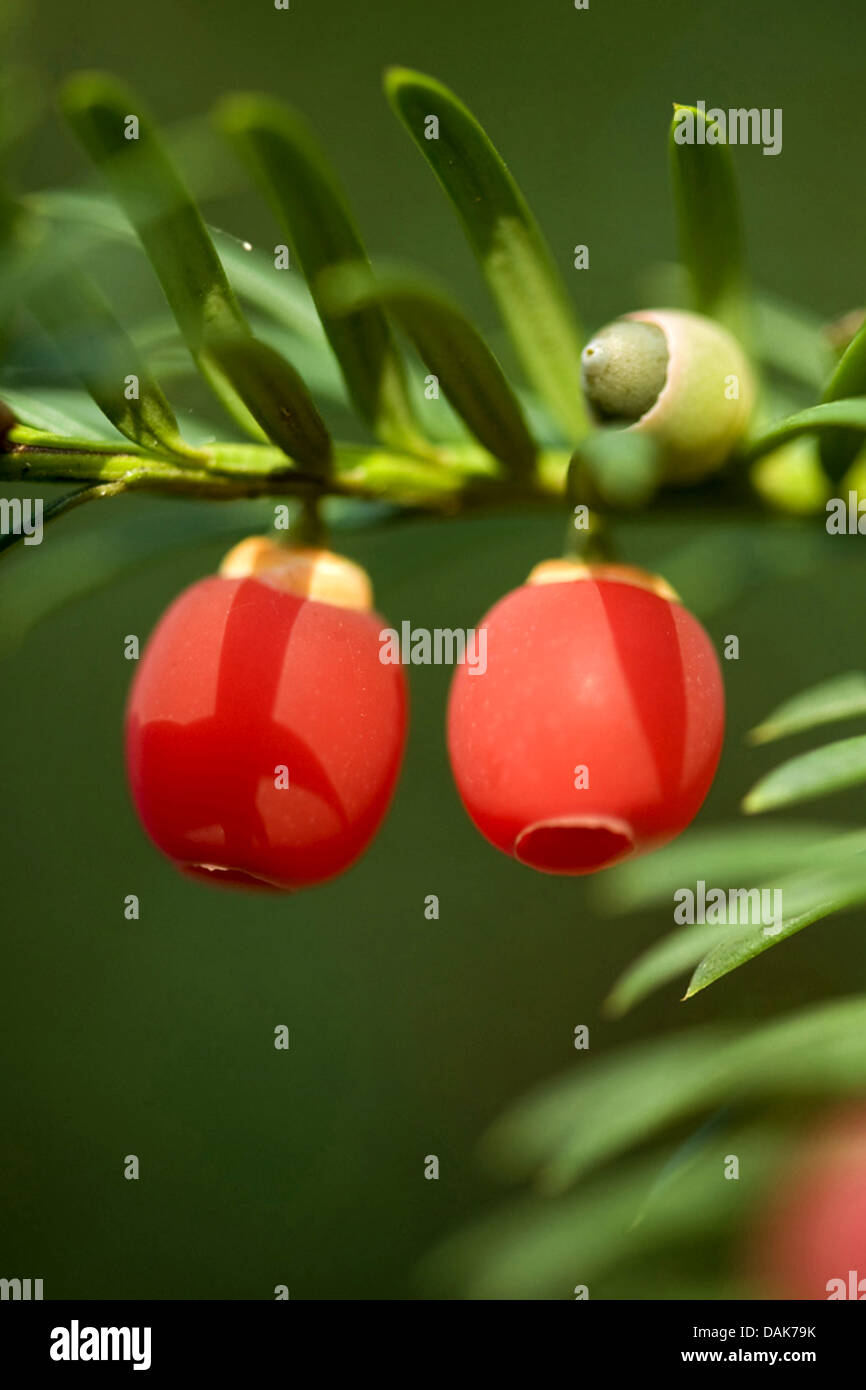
column 573, row 845
column 222, row 877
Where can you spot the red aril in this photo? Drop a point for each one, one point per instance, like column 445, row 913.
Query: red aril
column 263, row 734
column 595, row 731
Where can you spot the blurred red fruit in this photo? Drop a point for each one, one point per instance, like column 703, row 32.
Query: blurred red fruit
column 239, row 680
column 587, row 668
column 811, row 1244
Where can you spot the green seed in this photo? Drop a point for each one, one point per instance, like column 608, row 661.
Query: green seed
column 624, row 369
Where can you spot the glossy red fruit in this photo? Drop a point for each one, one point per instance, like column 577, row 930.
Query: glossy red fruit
column 243, row 678
column 811, row 1241
column 595, row 731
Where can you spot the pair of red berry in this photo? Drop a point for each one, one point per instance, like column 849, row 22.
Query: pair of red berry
column 265, row 735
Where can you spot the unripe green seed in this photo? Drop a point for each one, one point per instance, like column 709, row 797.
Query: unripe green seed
column 624, row 368
column 677, row 378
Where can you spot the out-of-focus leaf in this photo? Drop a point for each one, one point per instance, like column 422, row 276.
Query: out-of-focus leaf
column 74, row 563
column 59, row 506
column 790, row 341
column 22, row 103
column 614, row 1102
column 815, row 1051
column 849, row 378
column 708, row 213
column 158, row 338
column 279, row 294
column 306, row 197
column 839, row 450
column 813, row 774
column 790, row 479
column 505, row 238
column 619, row 467
column 723, row 856
column 158, row 206
column 786, row 338
column 542, row 1249
column 61, row 419
column 282, row 296
column 16, row 261
column 453, row 349
column 170, row 228
column 97, row 350
column 607, row 1106
column 843, row 697
column 713, row 570
column 835, row 415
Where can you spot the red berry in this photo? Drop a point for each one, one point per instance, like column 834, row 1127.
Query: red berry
column 811, row 1243
column 596, row 669
column 243, row 678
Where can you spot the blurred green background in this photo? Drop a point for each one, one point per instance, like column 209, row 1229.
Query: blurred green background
column 407, row 1036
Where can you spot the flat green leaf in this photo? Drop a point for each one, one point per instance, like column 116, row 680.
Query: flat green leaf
column 817, row 419
column 260, row 374
column 665, row 961
column 169, row 225
column 806, row 898
column 468, row 374
column 305, row 194
column 726, row 860
column 708, row 214
column 843, row 697
column 813, row 774
column 506, row 239
column 315, row 362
